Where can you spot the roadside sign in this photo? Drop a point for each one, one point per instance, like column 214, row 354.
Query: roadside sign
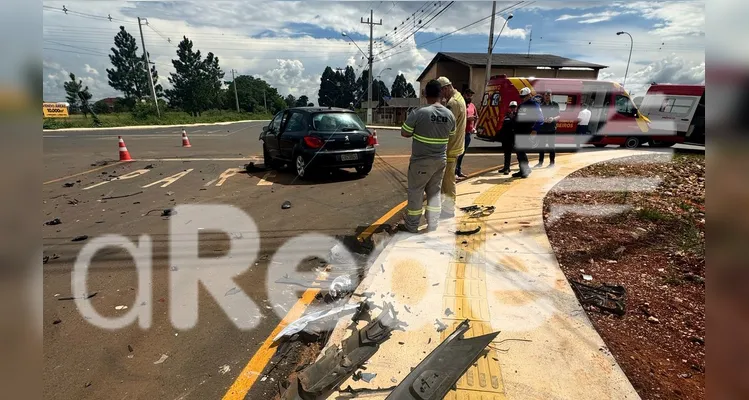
column 55, row 110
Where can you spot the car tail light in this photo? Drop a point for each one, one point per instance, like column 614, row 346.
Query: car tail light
column 313, row 142
column 371, row 140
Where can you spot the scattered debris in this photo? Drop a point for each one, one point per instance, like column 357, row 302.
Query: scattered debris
column 440, row 326
column 169, row 193
column 449, row 312
column 654, row 320
column 286, row 205
column 79, row 238
column 232, row 291
column 588, row 277
column 121, row 308
column 161, row 359
column 606, row 297
column 468, row 231
column 362, row 312
column 168, row 212
column 73, row 202
column 173, row 268
column 87, row 384
column 85, row 297
column 55, row 221
column 311, row 323
column 45, row 259
column 408, row 310
column 436, row 375
column 149, row 166
column 341, row 285
column 224, row 369
column 122, row 196
column 393, row 380
column 57, row 321
column 320, row 379
column 696, row 339
column 475, row 211
column 364, row 376
column 69, row 184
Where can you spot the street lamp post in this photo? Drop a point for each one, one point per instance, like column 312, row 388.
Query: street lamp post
column 631, row 44
column 491, row 45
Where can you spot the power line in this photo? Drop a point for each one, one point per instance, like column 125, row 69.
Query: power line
column 406, row 38
column 68, row 11
column 397, row 33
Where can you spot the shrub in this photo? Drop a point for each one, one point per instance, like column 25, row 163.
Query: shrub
column 144, row 110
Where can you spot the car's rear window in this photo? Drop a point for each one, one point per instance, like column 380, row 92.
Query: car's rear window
column 337, row 122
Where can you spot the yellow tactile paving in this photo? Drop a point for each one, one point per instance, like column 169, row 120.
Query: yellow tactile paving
column 466, row 296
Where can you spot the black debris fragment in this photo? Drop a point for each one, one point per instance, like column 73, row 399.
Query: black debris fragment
column 320, row 379
column 68, row 184
column 130, row 348
column 408, row 310
column 609, row 298
column 468, row 231
column 45, row 259
column 87, row 384
column 122, row 196
column 73, row 202
column 57, row 321
column 436, row 375
column 86, row 296
column 362, row 312
column 168, row 212
column 286, row 205
column 149, row 166
column 80, row 238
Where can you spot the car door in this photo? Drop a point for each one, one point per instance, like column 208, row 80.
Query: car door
column 293, row 129
column 270, row 136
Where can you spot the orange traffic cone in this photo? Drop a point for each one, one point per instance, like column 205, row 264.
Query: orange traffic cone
column 185, row 140
column 374, row 137
column 124, row 154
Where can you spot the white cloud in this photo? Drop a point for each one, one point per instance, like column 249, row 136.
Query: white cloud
column 289, row 78
column 680, row 19
column 672, row 69
column 591, row 18
column 91, row 70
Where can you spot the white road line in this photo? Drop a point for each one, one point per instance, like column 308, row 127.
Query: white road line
column 200, row 159
column 264, row 180
column 209, row 183
column 53, row 136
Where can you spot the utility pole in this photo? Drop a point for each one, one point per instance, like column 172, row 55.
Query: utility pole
column 491, row 44
column 529, row 44
column 234, row 81
column 371, row 24
column 265, row 102
column 148, row 68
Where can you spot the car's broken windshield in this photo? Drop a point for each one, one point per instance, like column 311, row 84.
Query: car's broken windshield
column 337, row 122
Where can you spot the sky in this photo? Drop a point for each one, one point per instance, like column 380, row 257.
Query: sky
column 289, row 43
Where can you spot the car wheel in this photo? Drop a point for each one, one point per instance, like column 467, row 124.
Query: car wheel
column 267, row 160
column 364, row 170
column 599, row 145
column 302, row 169
column 632, row 142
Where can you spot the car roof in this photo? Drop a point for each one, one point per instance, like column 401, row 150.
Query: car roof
column 312, row 110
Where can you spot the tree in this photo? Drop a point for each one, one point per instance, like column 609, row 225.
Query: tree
column 102, row 107
column 302, row 101
column 399, row 86
column 77, row 96
column 250, row 92
column 128, row 75
column 349, row 86
column 362, row 84
column 330, row 88
column 197, row 83
column 379, row 91
column 410, row 91
column 290, row 101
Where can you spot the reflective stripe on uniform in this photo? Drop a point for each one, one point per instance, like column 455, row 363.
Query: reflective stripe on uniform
column 428, row 140
column 407, row 128
column 434, row 209
column 415, row 212
column 452, row 132
column 455, row 152
column 450, row 159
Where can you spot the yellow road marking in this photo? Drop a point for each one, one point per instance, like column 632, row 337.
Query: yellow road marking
column 83, row 173
column 260, row 359
column 227, row 174
column 264, row 180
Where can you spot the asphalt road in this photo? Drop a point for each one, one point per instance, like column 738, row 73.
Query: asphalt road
column 86, row 362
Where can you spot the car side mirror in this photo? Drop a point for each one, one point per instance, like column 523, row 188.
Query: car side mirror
column 265, row 128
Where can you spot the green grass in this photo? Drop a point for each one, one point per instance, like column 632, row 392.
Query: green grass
column 650, row 214
column 167, row 118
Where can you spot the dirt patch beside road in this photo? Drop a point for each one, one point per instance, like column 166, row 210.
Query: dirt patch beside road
column 656, row 251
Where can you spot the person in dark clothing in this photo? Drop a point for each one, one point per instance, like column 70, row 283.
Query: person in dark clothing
column 546, row 134
column 528, row 122
column 507, row 135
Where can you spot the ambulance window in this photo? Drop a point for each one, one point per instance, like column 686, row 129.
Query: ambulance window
column 562, row 100
column 682, row 106
column 495, row 99
column 624, row 105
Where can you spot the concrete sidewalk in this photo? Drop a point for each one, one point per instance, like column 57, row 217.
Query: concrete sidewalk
column 504, row 278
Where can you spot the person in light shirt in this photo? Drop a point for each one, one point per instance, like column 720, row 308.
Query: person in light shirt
column 471, row 118
column 583, row 119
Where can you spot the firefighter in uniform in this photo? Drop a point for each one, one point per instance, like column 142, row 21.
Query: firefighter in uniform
column 431, row 128
column 455, row 147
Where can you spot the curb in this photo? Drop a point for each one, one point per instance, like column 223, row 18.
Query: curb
column 152, row 126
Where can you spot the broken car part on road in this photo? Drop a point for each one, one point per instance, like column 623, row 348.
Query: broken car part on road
column 475, row 211
column 606, row 297
column 320, row 379
column 433, row 378
column 316, row 322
